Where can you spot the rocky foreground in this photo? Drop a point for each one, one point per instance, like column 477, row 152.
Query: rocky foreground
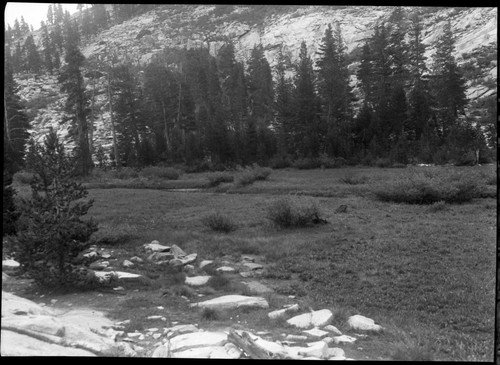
column 30, row 329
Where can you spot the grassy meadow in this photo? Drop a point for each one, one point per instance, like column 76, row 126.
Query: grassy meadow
column 425, row 272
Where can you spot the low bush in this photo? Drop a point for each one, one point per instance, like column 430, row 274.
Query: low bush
column 219, row 223
column 280, row 162
column 261, row 173
column 125, row 173
column 429, row 186
column 398, row 165
column 287, row 213
column 210, row 314
column 249, row 175
column 158, row 172
column 219, row 282
column 217, row 178
column 113, row 235
column 438, row 206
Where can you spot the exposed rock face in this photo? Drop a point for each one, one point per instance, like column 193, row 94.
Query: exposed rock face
column 363, row 323
column 313, row 319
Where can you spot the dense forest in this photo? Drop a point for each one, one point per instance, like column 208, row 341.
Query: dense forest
column 189, row 107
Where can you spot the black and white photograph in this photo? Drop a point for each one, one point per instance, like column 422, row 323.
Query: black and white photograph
column 238, row 181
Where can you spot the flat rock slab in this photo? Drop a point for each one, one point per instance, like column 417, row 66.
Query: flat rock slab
column 16, row 344
column 205, row 263
column 226, row 269
column 181, row 261
column 197, row 339
column 161, row 256
column 254, row 287
column 313, row 319
column 197, row 280
column 180, row 330
column 343, row 339
column 14, row 305
column 362, row 323
column 10, row 266
column 233, row 302
column 333, row 329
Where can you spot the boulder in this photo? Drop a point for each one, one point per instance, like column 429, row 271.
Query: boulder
column 232, row 302
column 252, row 266
column 160, row 256
column 197, row 280
column 296, row 338
column 177, row 251
column 336, row 353
column 225, row 269
column 180, row 330
column 99, row 265
column 343, row 339
column 333, row 330
column 162, row 350
column 313, row 319
column 205, row 263
column 127, row 263
column 136, row 259
column 14, row 305
column 104, row 276
column 181, row 261
column 362, row 323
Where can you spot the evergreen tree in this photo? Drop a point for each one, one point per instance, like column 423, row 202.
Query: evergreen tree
column 33, row 60
column 17, row 29
column 72, row 83
column 306, row 128
column 448, row 85
column 48, row 49
column 260, row 87
column 283, row 106
column 50, row 15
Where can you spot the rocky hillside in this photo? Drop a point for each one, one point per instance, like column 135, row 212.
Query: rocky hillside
column 140, row 38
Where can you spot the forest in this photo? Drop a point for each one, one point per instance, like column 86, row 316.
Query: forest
column 189, row 107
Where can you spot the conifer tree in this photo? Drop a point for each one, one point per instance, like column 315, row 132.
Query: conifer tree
column 72, row 83
column 260, row 87
column 50, row 15
column 283, row 105
column 48, row 49
column 448, row 85
column 33, row 60
column 306, row 129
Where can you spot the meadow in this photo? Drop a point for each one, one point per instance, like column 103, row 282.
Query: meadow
column 425, row 272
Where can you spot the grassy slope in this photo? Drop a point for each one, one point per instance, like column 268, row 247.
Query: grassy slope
column 428, row 277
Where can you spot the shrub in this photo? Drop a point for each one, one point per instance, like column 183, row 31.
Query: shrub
column 261, row 173
column 219, row 223
column 438, row 206
column 398, row 165
column 125, row 173
column 113, row 235
column 50, row 230
column 285, row 213
column 352, row 179
column 429, row 186
column 219, row 282
column 9, row 211
column 210, row 314
column 158, row 172
column 217, row 178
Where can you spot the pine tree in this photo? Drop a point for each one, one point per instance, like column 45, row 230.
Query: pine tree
column 448, row 85
column 50, row 15
column 72, row 83
column 33, row 60
column 260, row 87
column 306, row 129
column 283, row 106
column 48, row 50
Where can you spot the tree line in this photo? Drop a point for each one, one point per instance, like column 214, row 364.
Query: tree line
column 187, row 106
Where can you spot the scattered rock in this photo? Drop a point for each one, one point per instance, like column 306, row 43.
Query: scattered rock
column 226, row 269
column 296, row 338
column 181, row 261
column 341, row 209
column 233, row 302
column 162, row 351
column 177, row 251
column 336, row 353
column 316, row 332
column 160, row 256
column 99, row 265
column 136, row 259
column 197, row 280
column 205, row 263
column 252, row 266
column 343, row 339
column 180, row 329
column 362, row 323
column 318, row 349
column 283, row 312
column 119, row 275
column 248, row 258
column 127, row 264
column 313, row 319
column 333, row 330
column 156, row 247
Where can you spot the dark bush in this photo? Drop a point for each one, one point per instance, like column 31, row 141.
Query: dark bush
column 287, row 213
column 307, row 163
column 23, row 177
column 125, row 173
column 219, row 222
column 280, row 162
column 383, row 162
column 353, row 179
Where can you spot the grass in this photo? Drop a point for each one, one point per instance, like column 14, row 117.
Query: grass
column 421, row 271
column 297, row 212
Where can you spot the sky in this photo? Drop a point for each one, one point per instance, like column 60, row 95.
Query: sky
column 33, row 13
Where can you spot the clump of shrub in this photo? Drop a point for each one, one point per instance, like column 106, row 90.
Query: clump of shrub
column 429, row 186
column 113, row 235
column 398, row 165
column 210, row 314
column 306, row 163
column 287, row 213
column 217, row 178
column 280, row 162
column 383, row 162
column 125, row 173
column 249, row 175
column 219, row 223
column 352, row 179
column 219, row 282
column 438, row 206
column 159, row 172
